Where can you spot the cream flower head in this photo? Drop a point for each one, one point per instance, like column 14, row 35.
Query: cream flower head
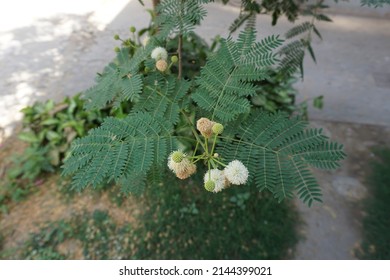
column 236, row 172
column 182, row 168
column 159, row 53
column 204, row 125
column 217, row 177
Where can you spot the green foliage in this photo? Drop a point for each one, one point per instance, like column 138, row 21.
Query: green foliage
column 53, row 126
column 276, row 92
column 278, row 151
column 48, row 129
column 179, row 16
column 130, row 151
column 21, row 175
column 124, row 150
column 194, row 54
column 376, row 224
column 289, row 8
column 375, row 3
column 225, row 83
column 119, row 81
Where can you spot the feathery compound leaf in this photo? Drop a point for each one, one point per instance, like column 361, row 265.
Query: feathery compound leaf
column 224, row 83
column 278, row 151
column 179, row 16
column 163, row 97
column 292, row 57
column 119, row 149
column 299, row 29
column 119, row 81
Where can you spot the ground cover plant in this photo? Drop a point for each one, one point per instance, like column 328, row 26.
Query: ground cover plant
column 175, row 223
column 376, row 224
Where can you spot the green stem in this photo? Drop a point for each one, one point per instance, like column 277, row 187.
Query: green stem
column 219, row 162
column 212, row 149
column 208, row 163
column 193, row 129
column 206, row 145
column 196, row 149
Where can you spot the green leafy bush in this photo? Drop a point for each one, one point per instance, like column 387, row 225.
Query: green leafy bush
column 276, row 150
column 48, row 129
column 53, row 126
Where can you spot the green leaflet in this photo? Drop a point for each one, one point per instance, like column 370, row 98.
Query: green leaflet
column 278, row 151
column 225, row 81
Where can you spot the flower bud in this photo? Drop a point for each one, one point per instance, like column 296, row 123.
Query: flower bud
column 209, row 185
column 217, row 128
column 116, row 37
column 174, row 59
column 132, row 29
column 117, row 49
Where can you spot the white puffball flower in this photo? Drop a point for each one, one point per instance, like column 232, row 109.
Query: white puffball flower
column 159, row 53
column 236, row 172
column 217, row 177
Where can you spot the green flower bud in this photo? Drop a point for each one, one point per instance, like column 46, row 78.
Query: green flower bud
column 209, row 185
column 147, row 69
column 217, row 128
column 174, row 59
column 116, row 37
column 117, row 49
column 177, row 156
column 132, row 29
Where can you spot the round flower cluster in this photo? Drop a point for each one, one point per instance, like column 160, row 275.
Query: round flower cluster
column 160, row 55
column 181, row 165
column 215, row 180
column 234, row 173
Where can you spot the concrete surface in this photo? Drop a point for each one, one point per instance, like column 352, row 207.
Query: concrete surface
column 50, row 50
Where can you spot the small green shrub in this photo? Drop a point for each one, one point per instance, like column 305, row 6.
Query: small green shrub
column 53, row 126
column 48, row 129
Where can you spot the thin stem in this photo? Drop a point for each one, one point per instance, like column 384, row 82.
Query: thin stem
column 212, row 149
column 193, row 129
column 208, row 163
column 219, row 162
column 179, row 47
column 196, row 149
